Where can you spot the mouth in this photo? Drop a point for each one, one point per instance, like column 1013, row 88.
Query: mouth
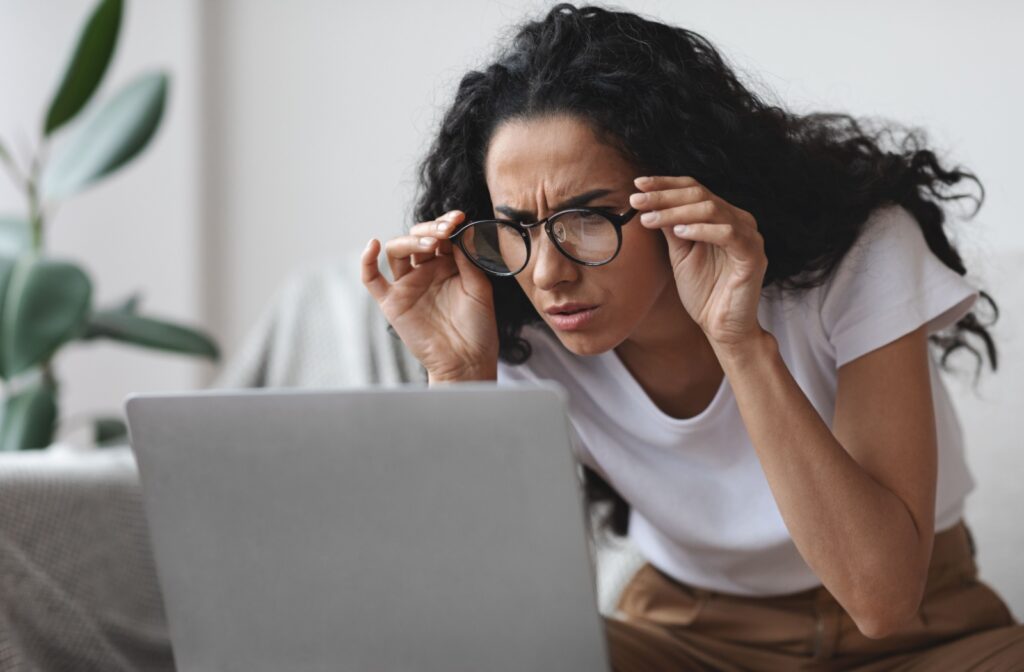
column 571, row 316
column 569, row 308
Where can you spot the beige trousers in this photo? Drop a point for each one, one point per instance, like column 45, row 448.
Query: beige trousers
column 962, row 624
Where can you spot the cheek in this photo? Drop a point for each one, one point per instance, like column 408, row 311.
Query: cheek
column 636, row 277
column 642, row 277
column 645, row 253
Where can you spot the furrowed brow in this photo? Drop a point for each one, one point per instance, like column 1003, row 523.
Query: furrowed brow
column 574, row 202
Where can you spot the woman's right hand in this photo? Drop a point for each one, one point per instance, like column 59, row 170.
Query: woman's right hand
column 439, row 303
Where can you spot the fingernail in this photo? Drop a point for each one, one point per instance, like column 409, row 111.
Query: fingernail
column 639, row 199
column 442, row 226
column 679, row 229
column 642, row 180
column 649, row 217
column 426, row 242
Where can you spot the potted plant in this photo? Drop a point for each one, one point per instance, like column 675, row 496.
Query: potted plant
column 46, row 303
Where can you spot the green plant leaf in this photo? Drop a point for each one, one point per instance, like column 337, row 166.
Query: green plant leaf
column 7, row 264
column 15, row 235
column 29, row 418
column 109, row 430
column 45, row 304
column 148, row 332
column 110, row 138
column 131, row 304
column 87, row 65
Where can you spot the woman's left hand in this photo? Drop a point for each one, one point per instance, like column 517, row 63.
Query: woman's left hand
column 718, row 261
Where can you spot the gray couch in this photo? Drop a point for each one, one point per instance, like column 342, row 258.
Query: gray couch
column 78, row 589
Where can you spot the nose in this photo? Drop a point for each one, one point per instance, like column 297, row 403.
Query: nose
column 550, row 266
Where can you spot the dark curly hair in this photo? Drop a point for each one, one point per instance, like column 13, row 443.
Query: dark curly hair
column 666, row 99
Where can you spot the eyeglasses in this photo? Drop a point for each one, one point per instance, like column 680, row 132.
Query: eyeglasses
column 501, row 247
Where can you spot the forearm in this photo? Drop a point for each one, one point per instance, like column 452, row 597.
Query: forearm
column 857, row 535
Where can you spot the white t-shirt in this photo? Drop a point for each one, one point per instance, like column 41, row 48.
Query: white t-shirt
column 701, row 508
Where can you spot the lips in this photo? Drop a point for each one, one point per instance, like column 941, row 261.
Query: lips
column 569, row 308
column 578, row 316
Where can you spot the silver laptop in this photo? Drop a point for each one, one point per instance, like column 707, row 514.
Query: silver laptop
column 369, row 530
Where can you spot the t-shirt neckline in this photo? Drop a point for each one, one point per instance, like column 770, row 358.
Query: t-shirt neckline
column 619, row 370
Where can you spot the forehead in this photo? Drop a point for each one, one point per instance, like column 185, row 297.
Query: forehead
column 555, row 157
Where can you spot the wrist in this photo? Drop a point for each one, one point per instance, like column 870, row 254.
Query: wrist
column 757, row 347
column 464, row 375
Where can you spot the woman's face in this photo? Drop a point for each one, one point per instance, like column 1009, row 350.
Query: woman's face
column 535, row 166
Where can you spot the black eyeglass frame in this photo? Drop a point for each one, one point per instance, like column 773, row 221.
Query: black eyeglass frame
column 618, row 221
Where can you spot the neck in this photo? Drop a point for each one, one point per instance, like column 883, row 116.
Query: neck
column 668, row 348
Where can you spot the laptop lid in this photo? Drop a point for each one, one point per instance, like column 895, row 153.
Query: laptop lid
column 379, row 529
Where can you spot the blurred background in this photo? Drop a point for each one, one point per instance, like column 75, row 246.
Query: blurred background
column 292, row 131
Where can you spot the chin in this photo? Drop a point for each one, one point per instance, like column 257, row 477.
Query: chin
column 584, row 344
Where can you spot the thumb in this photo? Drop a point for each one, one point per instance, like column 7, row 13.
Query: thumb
column 474, row 280
column 678, row 248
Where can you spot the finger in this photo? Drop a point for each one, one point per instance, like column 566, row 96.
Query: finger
column 419, row 259
column 442, row 225
column 426, row 230
column 445, row 226
column 370, row 273
column 654, row 182
column 445, row 229
column 400, row 265
column 726, row 236
column 665, row 198
column 426, row 250
column 439, row 228
column 690, row 213
column 400, row 252
column 681, row 246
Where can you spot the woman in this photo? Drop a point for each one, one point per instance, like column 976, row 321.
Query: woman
column 740, row 302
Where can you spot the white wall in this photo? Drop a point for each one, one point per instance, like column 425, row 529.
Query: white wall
column 318, row 113
column 137, row 230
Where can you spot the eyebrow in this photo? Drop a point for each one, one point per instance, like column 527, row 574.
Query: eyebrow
column 575, row 201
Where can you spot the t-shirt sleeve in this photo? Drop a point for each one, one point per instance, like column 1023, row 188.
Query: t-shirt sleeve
column 888, row 284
